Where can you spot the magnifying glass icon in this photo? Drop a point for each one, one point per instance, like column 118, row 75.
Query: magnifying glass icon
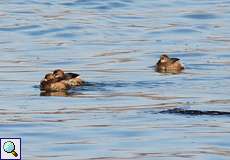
column 9, row 147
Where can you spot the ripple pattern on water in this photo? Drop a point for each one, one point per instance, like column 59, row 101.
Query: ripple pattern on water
column 114, row 46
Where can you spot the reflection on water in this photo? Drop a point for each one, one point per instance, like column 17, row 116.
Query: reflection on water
column 114, row 45
column 195, row 112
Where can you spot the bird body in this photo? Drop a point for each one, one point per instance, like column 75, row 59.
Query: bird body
column 60, row 81
column 50, row 83
column 169, row 65
column 71, row 79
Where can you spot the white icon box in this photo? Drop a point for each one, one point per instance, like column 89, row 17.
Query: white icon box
column 10, row 149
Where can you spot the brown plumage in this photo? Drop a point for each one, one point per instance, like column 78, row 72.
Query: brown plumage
column 71, row 79
column 169, row 65
column 50, row 83
column 59, row 93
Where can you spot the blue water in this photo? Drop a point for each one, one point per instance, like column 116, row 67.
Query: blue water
column 114, row 45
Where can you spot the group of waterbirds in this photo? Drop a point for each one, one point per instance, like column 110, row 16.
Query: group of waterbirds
column 58, row 80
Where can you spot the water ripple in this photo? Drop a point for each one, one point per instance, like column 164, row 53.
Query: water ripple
column 114, row 45
column 201, row 16
column 18, row 28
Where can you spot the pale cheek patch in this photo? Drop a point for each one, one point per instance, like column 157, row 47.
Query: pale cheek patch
column 182, row 65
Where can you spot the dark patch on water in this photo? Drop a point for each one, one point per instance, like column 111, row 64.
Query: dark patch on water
column 68, row 4
column 116, row 5
column 102, row 7
column 194, row 112
column 109, row 6
column 81, row 2
column 223, row 56
column 95, row 4
column 201, row 16
column 65, row 35
column 184, row 30
column 18, row 28
column 177, row 31
column 40, row 3
column 43, row 32
column 28, row 2
column 36, row 86
column 53, row 30
column 72, row 27
column 129, row 17
column 23, row 12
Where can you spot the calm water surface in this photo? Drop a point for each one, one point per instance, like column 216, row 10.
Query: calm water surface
column 113, row 44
